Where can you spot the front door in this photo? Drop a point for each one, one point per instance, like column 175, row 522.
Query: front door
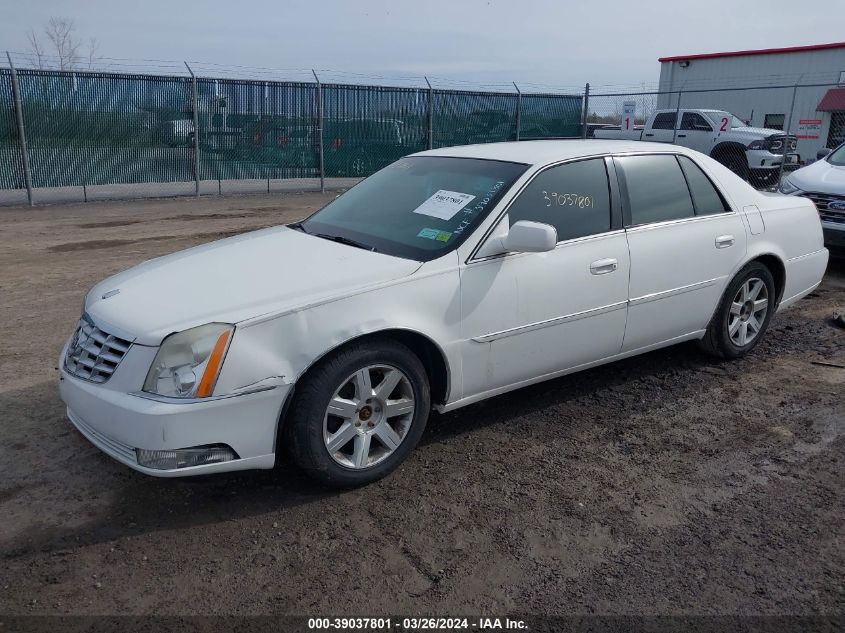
column 695, row 132
column 528, row 315
column 685, row 244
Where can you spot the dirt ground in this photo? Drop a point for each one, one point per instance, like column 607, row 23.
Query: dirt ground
column 664, row 484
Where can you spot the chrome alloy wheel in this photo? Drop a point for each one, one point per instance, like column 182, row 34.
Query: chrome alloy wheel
column 368, row 416
column 748, row 311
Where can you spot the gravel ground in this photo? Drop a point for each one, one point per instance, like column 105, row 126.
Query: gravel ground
column 663, row 484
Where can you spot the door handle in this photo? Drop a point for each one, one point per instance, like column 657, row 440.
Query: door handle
column 603, row 266
column 724, row 241
column 682, row 135
column 649, row 134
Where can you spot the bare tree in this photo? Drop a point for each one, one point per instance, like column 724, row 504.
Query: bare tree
column 60, row 32
column 36, row 49
column 63, row 48
column 93, row 52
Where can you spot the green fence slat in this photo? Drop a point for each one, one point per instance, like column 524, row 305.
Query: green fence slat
column 87, row 128
column 11, row 163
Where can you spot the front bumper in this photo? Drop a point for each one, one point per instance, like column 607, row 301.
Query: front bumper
column 834, row 235
column 117, row 423
column 764, row 159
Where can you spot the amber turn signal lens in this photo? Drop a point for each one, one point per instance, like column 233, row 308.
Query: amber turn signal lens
column 209, row 376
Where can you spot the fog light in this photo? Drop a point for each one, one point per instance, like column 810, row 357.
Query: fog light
column 185, row 457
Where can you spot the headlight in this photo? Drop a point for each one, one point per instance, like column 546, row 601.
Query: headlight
column 187, row 363
column 757, row 145
column 787, row 187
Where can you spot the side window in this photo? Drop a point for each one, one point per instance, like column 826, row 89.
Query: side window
column 665, row 121
column 574, row 198
column 694, row 121
column 774, row 121
column 657, row 189
column 705, row 197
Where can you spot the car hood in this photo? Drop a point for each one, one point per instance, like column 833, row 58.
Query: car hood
column 820, row 177
column 755, row 132
column 267, row 271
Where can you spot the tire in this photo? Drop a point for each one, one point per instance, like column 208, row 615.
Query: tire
column 737, row 163
column 739, row 322
column 329, row 443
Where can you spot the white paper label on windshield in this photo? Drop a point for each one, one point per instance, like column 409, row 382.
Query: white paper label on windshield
column 444, row 204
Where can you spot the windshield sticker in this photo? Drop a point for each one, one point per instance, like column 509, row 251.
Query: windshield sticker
column 435, row 234
column 444, row 204
column 472, row 212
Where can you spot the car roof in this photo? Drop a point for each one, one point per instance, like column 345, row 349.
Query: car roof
column 550, row 151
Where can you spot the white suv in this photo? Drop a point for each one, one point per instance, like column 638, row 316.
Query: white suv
column 824, row 183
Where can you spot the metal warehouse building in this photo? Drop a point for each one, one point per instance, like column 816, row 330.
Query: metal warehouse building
column 764, row 87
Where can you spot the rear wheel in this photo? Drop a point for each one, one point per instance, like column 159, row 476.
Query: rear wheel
column 743, row 314
column 359, row 413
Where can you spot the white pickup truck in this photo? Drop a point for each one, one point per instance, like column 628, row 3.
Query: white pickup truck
column 753, row 153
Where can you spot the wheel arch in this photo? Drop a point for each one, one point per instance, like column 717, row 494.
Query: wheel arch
column 728, row 148
column 777, row 268
column 431, row 355
column 771, row 261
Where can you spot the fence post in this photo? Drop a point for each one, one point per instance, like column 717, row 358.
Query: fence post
column 27, row 174
column 320, row 131
column 430, row 115
column 518, row 107
column 196, row 133
column 677, row 115
column 787, row 127
column 586, row 106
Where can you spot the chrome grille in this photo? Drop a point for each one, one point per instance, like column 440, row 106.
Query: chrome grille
column 823, row 202
column 93, row 354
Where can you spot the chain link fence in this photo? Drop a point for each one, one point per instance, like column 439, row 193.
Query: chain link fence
column 77, row 135
column 94, row 131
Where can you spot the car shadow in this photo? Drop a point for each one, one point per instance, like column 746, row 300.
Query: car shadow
column 47, row 461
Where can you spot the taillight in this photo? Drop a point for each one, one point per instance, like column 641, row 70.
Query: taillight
column 336, row 144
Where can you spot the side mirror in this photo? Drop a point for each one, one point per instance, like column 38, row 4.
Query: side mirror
column 530, row 237
column 824, row 151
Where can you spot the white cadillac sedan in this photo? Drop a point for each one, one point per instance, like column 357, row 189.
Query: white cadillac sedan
column 450, row 276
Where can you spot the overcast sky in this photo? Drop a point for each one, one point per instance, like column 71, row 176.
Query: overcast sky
column 549, row 42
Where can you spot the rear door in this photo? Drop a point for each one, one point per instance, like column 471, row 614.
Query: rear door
column 685, row 243
column 662, row 128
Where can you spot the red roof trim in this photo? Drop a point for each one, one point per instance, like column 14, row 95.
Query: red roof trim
column 760, row 51
column 833, row 101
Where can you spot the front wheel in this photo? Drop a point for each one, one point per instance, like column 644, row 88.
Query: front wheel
column 743, row 314
column 736, row 162
column 359, row 413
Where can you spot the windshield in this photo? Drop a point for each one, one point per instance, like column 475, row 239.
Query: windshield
column 417, row 208
column 718, row 117
column 837, row 156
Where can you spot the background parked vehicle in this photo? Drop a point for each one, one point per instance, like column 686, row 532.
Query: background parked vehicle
column 753, row 154
column 823, row 182
column 177, row 132
column 358, row 147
